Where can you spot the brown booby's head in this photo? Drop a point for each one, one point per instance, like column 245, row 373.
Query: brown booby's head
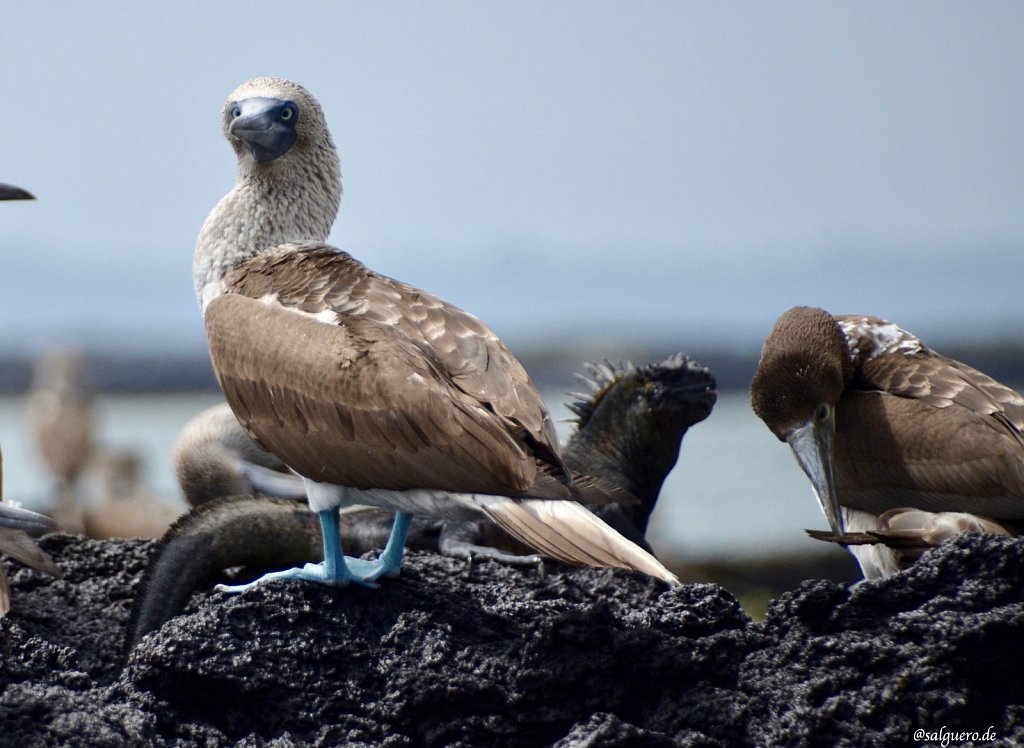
column 265, row 119
column 804, row 367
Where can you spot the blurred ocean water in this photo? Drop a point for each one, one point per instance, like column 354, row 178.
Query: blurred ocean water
column 735, row 491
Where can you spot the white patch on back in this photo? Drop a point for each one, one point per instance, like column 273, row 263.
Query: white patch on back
column 326, row 316
column 869, row 337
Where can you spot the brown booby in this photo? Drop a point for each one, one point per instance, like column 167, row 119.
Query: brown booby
column 901, row 444
column 373, row 391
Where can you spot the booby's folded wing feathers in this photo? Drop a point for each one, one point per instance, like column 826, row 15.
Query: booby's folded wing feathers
column 389, row 395
column 901, row 451
column 923, row 430
column 942, row 382
column 321, row 279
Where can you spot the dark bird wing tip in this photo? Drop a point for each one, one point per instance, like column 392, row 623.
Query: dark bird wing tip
column 10, row 192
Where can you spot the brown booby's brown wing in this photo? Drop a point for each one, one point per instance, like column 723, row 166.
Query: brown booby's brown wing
column 943, row 382
column 354, row 379
column 925, row 431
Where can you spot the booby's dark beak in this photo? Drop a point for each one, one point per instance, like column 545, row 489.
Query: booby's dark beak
column 266, row 126
column 10, row 192
column 812, row 443
column 30, row 522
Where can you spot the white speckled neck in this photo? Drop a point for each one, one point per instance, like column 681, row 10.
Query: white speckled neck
column 294, row 198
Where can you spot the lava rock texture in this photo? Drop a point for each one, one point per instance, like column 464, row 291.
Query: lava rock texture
column 500, row 656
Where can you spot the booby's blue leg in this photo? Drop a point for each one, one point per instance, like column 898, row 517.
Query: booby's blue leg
column 337, row 569
column 334, row 558
column 389, row 562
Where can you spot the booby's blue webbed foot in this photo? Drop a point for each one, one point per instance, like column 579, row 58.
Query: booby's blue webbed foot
column 337, row 569
column 308, row 573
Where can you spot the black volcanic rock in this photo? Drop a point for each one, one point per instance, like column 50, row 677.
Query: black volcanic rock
column 502, row 657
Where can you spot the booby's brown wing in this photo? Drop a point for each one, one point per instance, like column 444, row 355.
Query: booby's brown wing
column 355, row 379
column 943, row 382
column 317, row 278
column 925, row 431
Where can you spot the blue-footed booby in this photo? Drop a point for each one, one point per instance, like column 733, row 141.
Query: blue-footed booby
column 902, row 445
column 373, row 391
column 630, row 428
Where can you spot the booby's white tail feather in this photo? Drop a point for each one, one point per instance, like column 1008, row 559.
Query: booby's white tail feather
column 567, row 531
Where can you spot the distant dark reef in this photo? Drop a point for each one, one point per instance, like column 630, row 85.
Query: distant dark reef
column 549, row 365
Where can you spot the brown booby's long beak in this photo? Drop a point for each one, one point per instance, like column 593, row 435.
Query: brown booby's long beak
column 812, row 443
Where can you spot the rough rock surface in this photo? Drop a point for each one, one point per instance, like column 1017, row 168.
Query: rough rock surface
column 501, row 657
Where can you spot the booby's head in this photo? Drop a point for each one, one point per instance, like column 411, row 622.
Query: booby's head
column 266, row 119
column 287, row 185
column 804, row 367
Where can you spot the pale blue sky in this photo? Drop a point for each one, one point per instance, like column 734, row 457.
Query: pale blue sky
column 683, row 171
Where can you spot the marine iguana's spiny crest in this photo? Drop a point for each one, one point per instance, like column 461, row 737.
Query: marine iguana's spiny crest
column 604, row 375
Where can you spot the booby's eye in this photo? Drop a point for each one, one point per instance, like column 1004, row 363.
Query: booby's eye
column 288, row 112
column 821, row 413
column 236, row 111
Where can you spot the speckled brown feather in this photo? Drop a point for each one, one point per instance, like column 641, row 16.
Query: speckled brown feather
column 423, row 395
column 956, row 431
column 321, row 278
column 942, row 382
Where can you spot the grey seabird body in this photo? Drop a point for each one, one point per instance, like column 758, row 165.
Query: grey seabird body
column 373, row 391
column 897, row 440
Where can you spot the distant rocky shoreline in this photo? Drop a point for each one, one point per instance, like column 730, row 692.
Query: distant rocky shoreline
column 500, row 656
column 549, row 366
